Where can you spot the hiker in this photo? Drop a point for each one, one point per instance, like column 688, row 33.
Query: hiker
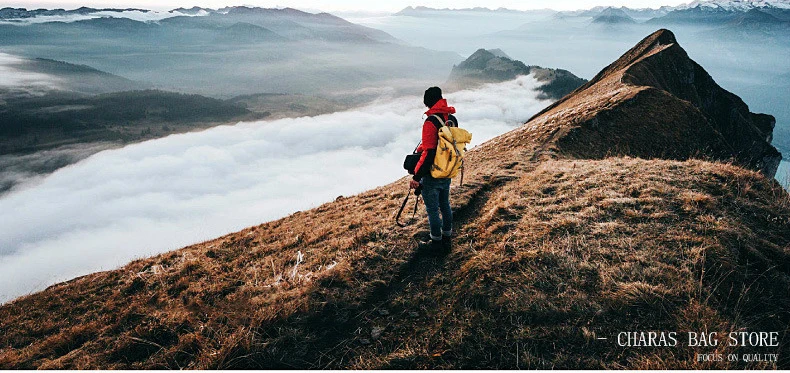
column 435, row 192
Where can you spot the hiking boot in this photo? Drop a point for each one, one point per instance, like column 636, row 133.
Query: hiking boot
column 422, row 236
column 430, row 248
column 446, row 244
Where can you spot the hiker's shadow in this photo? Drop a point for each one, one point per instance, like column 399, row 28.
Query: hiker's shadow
column 415, row 270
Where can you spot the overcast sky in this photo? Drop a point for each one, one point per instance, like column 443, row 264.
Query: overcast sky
column 339, row 5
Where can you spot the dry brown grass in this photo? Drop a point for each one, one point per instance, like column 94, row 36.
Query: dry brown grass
column 549, row 256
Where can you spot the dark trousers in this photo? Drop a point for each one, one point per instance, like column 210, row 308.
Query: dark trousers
column 436, row 194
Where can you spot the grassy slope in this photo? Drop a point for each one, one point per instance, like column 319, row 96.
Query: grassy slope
column 549, row 255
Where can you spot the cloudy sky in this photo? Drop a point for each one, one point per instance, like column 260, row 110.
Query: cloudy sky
column 340, row 5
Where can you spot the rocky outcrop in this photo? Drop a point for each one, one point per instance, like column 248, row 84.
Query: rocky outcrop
column 656, row 102
column 493, row 66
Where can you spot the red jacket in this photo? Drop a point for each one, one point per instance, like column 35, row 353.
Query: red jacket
column 430, row 138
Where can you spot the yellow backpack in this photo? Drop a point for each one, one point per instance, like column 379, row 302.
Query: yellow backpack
column 450, row 150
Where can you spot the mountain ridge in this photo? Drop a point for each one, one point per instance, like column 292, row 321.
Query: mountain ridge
column 81, row 78
column 659, row 70
column 493, row 66
column 613, row 16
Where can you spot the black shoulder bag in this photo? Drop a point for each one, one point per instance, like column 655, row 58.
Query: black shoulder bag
column 411, row 161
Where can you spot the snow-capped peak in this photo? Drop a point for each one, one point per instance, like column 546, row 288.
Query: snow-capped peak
column 737, row 5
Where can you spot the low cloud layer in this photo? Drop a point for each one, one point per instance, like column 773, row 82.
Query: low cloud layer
column 159, row 195
column 25, row 169
column 13, row 77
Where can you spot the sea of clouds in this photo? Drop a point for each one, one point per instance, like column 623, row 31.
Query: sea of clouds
column 148, row 198
column 783, row 174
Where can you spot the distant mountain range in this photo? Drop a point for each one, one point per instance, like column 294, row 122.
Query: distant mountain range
column 756, row 22
column 260, row 24
column 86, row 105
column 420, row 10
column 708, row 11
column 613, row 15
column 637, row 14
column 710, row 6
column 729, row 5
column 249, row 50
column 18, row 13
column 737, row 5
column 734, row 19
column 706, row 14
column 698, row 13
column 717, row 12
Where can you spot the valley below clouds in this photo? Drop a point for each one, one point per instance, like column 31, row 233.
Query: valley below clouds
column 155, row 196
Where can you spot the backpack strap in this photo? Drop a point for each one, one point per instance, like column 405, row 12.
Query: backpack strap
column 439, row 119
column 441, row 122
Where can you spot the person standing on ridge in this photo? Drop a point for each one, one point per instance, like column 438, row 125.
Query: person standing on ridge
column 435, row 192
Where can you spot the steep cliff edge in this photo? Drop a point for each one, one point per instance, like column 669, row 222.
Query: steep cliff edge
column 655, row 102
column 554, row 257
